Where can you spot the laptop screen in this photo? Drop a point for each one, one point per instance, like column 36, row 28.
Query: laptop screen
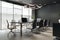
column 24, row 19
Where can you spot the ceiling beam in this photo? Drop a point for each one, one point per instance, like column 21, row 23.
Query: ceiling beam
column 14, row 2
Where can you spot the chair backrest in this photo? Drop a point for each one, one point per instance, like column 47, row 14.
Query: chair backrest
column 38, row 20
column 41, row 23
column 7, row 24
column 45, row 23
column 10, row 25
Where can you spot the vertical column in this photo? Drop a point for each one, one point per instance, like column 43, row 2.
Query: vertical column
column 0, row 14
column 13, row 19
column 35, row 13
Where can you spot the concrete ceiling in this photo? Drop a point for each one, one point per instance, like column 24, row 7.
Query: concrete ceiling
column 33, row 3
column 19, row 1
column 43, row 1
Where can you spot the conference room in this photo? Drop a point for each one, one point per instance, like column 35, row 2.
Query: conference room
column 29, row 20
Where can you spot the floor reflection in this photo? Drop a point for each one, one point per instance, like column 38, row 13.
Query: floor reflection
column 11, row 36
column 15, row 35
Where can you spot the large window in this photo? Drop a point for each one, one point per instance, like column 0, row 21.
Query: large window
column 9, row 9
column 18, row 10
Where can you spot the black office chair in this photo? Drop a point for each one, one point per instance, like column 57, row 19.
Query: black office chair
column 46, row 25
column 36, row 23
column 34, row 27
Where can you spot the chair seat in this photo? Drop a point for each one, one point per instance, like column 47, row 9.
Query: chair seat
column 12, row 27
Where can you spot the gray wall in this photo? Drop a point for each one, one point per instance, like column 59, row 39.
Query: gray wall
column 50, row 12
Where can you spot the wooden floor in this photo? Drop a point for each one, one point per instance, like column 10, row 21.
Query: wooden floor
column 27, row 35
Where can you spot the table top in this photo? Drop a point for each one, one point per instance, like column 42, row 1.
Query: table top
column 21, row 22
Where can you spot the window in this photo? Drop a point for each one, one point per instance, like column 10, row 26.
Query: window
column 7, row 5
column 9, row 9
column 27, row 12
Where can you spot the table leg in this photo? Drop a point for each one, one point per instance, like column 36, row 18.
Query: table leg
column 21, row 30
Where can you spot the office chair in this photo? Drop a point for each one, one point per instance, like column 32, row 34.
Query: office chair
column 10, row 27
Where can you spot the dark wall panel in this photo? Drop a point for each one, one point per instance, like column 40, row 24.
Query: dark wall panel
column 50, row 12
